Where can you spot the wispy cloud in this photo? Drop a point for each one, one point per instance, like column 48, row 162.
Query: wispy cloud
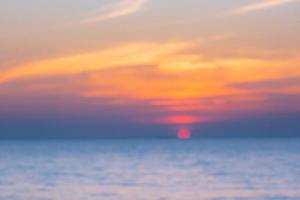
column 260, row 6
column 118, row 9
column 268, row 84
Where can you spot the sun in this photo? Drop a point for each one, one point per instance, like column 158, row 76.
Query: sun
column 184, row 134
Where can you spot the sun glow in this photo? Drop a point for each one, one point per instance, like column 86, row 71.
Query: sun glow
column 184, row 134
column 183, row 120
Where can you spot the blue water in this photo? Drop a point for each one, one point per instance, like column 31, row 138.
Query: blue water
column 158, row 169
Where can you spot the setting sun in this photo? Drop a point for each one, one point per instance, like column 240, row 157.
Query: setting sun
column 184, row 134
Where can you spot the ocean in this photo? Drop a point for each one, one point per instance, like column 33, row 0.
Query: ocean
column 150, row 169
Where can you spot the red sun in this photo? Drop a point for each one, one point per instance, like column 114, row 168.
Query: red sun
column 184, row 134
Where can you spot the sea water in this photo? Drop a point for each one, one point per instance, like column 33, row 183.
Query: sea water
column 150, row 169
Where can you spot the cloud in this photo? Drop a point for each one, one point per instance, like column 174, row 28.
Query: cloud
column 123, row 55
column 119, row 9
column 260, row 6
column 168, row 57
column 163, row 81
column 271, row 84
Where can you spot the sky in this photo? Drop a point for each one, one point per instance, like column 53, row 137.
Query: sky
column 147, row 68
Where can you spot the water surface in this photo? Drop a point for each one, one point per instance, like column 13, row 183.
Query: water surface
column 156, row 169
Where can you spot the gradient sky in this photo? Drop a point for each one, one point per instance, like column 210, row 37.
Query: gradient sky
column 113, row 68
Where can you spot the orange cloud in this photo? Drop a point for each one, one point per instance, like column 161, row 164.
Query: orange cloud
column 182, row 85
column 125, row 55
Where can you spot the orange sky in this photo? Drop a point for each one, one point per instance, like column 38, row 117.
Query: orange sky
column 189, row 64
